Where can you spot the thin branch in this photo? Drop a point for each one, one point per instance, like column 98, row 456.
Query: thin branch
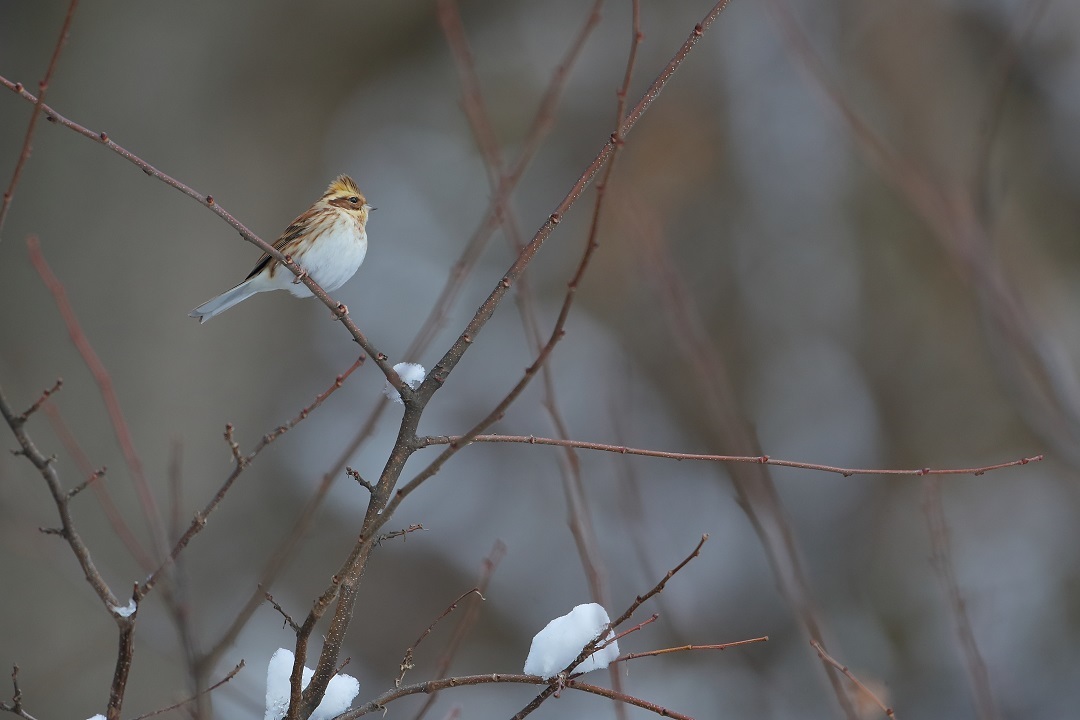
column 215, row 686
column 43, row 87
column 379, row 704
column 465, row 624
column 45, row 394
column 108, row 393
column 288, row 619
column 338, row 309
column 979, row 677
column 198, row 522
column 407, row 660
column 16, row 706
column 461, row 440
column 687, row 648
column 843, row 668
column 559, row 681
column 47, row 469
column 101, row 490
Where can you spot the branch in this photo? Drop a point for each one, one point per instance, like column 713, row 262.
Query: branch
column 43, row 87
column 242, row 462
column 843, row 668
column 193, row 698
column 208, row 201
column 464, row 440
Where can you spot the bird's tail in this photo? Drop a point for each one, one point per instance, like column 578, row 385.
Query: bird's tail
column 224, row 301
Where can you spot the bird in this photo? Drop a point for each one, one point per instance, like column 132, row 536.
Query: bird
column 328, row 242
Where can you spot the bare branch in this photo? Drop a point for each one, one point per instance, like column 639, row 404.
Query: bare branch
column 232, row 673
column 407, row 660
column 847, row 673
column 687, row 648
column 461, row 440
column 43, row 87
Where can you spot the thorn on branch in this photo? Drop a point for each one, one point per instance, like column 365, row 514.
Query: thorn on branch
column 51, row 531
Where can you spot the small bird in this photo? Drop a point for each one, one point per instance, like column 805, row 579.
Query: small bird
column 329, row 242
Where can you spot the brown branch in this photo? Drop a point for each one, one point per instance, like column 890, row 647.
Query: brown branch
column 281, row 611
column 379, row 704
column 193, row 698
column 407, row 660
column 556, row 683
column 43, row 87
column 338, row 309
column 101, row 490
column 542, row 123
column 45, row 394
column 16, row 705
column 847, row 673
column 385, row 500
column 241, row 463
column 465, row 624
column 755, row 490
column 47, row 469
column 979, row 677
column 461, row 440
column 105, row 387
column 687, row 648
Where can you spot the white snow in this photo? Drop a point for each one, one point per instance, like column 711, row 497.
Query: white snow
column 125, row 611
column 562, row 640
column 98, row 717
column 339, row 693
column 411, row 374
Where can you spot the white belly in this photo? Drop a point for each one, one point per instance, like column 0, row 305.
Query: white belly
column 334, row 260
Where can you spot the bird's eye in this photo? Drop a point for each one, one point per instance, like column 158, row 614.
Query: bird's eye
column 354, row 199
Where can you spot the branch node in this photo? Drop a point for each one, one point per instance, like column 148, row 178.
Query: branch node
column 356, row 476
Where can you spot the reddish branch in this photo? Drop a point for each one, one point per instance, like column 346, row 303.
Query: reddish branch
column 462, row 440
column 43, row 87
column 105, row 386
column 385, row 499
column 848, row 674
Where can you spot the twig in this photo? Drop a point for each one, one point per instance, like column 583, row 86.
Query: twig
column 407, row 660
column 397, row 533
column 843, row 668
column 560, row 680
column 101, row 490
column 379, row 704
column 94, row 477
column 979, row 677
column 108, row 393
column 288, row 619
column 193, row 698
column 459, row 440
column 242, row 462
column 43, row 87
column 41, row 399
column 687, row 648
column 755, row 490
column 47, row 469
column 465, row 623
column 16, row 706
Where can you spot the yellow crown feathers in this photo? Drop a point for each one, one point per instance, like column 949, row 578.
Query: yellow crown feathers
column 343, row 185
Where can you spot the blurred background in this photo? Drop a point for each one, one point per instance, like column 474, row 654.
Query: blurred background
column 868, row 211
